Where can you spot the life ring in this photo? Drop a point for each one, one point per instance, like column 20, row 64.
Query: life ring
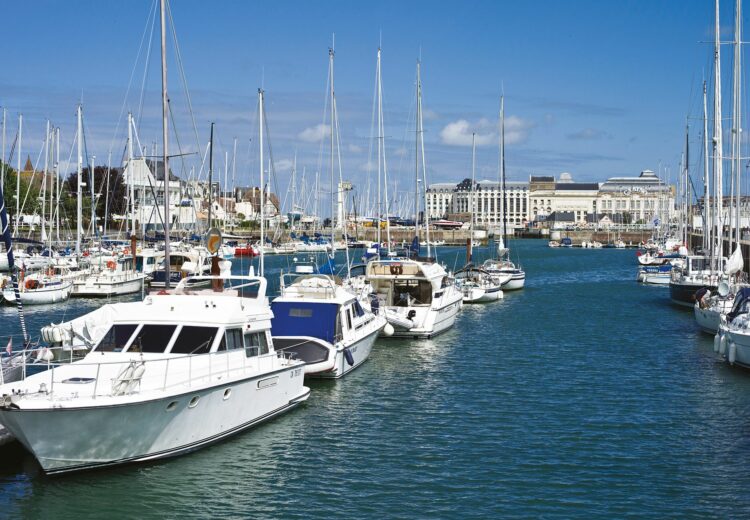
column 85, row 253
column 396, row 269
column 111, row 265
column 126, row 251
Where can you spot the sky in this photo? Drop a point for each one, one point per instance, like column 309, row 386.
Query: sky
column 597, row 89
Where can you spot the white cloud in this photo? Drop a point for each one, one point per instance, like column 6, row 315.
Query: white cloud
column 516, row 129
column 459, row 133
column 284, row 164
column 353, row 148
column 315, row 133
column 430, row 115
column 369, row 166
column 401, row 152
column 589, row 134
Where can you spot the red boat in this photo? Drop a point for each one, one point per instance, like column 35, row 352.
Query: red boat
column 246, row 250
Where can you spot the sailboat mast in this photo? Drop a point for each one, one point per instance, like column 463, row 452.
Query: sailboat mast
column 416, row 164
column 333, row 214
column 262, row 194
column 707, row 241
column 2, row 159
column 424, row 164
column 79, row 188
column 210, row 174
column 686, row 165
column 717, row 142
column 44, row 183
column 131, row 175
column 471, row 192
column 57, row 182
column 502, row 166
column 165, row 140
column 18, row 177
column 737, row 119
column 380, row 146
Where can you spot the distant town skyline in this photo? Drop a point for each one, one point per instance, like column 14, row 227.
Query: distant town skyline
column 596, row 89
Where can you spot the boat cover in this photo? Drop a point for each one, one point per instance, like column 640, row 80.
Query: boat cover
column 305, row 319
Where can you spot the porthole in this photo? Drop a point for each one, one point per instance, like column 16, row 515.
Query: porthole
column 227, row 393
column 194, row 401
column 171, row 406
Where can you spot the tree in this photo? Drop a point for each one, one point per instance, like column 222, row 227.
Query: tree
column 110, row 190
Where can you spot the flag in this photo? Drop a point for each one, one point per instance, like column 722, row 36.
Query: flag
column 9, row 348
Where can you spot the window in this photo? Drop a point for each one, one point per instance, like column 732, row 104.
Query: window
column 232, row 340
column 349, row 319
column 301, row 313
column 152, row 338
column 116, row 338
column 194, row 340
column 358, row 310
column 255, row 344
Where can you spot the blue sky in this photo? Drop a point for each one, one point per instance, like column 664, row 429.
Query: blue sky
column 593, row 88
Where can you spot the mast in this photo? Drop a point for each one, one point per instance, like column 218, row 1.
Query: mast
column 424, row 163
column 380, row 145
column 210, row 174
column 737, row 119
column 79, row 187
column 686, row 165
column 471, row 193
column 234, row 165
column 131, row 175
column 333, row 214
column 717, row 143
column 502, row 167
column 707, row 241
column 224, row 198
column 44, row 183
column 165, row 140
column 262, row 189
column 2, row 159
column 57, row 182
column 18, row 177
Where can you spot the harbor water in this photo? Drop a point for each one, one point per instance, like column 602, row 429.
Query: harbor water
column 584, row 395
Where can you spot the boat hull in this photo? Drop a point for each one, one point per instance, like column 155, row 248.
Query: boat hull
column 707, row 319
column 517, row 281
column 153, row 429
column 43, row 296
column 683, row 294
column 105, row 288
column 439, row 318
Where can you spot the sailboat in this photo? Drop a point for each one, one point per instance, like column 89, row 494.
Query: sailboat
column 477, row 285
column 501, row 265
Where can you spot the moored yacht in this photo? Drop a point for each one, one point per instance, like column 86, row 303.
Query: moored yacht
column 418, row 297
column 698, row 272
column 323, row 324
column 174, row 373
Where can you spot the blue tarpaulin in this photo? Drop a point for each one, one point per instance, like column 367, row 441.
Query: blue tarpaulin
column 305, row 319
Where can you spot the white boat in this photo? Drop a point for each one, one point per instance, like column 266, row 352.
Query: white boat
column 733, row 339
column 710, row 307
column 479, row 286
column 511, row 278
column 192, row 262
column 174, row 373
column 148, row 259
column 114, row 278
column 39, row 289
column 323, row 324
column 419, row 299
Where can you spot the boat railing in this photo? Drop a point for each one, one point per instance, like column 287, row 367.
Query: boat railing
column 139, row 374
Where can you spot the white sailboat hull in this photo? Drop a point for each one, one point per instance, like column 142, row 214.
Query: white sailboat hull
column 42, row 296
column 108, row 285
column 430, row 321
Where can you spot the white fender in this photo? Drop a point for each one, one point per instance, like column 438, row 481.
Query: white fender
column 120, row 383
column 388, row 330
column 723, row 344
column 45, row 334
column 717, row 339
column 56, row 334
column 48, row 355
column 135, row 378
column 732, row 352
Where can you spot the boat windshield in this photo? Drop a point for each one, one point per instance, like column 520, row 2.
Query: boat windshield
column 116, row 338
column 152, row 338
column 194, row 340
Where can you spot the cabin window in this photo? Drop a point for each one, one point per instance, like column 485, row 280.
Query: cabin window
column 414, row 292
column 116, row 338
column 358, row 310
column 349, row 318
column 255, row 344
column 194, row 340
column 232, row 340
column 300, row 313
column 152, row 338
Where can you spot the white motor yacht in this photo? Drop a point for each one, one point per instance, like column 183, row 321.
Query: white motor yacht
column 114, row 276
column 323, row 324
column 174, row 373
column 733, row 339
column 418, row 298
column 39, row 289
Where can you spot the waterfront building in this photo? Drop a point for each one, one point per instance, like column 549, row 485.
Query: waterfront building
column 627, row 200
